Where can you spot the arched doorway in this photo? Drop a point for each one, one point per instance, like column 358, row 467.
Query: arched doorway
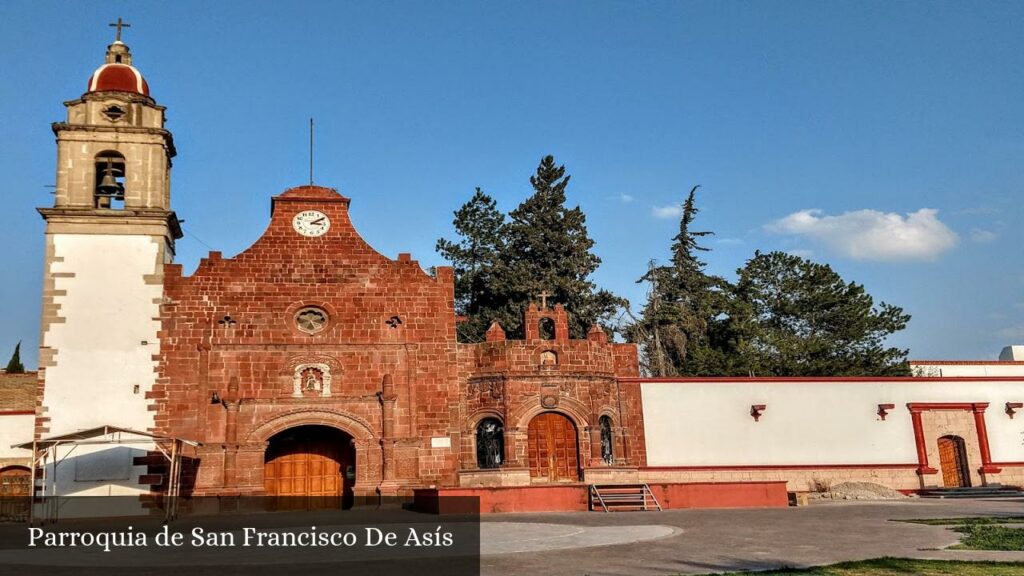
column 553, row 448
column 953, row 462
column 310, row 467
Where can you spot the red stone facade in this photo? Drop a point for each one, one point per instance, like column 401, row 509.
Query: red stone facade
column 299, row 331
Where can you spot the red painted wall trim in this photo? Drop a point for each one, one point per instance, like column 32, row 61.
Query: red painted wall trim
column 782, row 467
column 969, row 406
column 966, row 363
column 823, row 379
column 978, row 408
column 1009, row 464
column 16, row 412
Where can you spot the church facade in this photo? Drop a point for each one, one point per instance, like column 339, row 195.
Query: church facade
column 306, row 354
column 310, row 350
column 312, row 365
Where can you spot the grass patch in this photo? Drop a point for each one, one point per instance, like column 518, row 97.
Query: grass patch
column 959, row 521
column 982, row 533
column 907, row 567
column 989, row 537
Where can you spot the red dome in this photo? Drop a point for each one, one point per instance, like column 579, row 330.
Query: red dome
column 118, row 78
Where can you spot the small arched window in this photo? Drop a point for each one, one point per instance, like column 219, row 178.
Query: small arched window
column 548, row 358
column 490, row 443
column 607, row 452
column 547, row 329
column 109, row 189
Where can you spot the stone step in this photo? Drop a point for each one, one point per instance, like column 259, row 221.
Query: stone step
column 993, row 491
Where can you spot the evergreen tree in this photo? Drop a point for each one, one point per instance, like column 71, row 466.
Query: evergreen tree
column 681, row 326
column 549, row 250
column 14, row 366
column 800, row 318
column 476, row 257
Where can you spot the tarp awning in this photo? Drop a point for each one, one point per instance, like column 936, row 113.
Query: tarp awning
column 90, row 437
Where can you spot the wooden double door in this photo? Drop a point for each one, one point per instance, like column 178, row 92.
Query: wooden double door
column 553, row 449
column 310, row 467
column 953, row 462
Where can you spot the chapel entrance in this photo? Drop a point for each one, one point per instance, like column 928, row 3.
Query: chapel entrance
column 953, row 462
column 553, row 449
column 310, row 467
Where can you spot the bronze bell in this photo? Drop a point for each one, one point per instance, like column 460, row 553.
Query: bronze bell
column 109, row 186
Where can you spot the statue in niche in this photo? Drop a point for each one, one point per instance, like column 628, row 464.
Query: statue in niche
column 606, row 440
column 311, row 379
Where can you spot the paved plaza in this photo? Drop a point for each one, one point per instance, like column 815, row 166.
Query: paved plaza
column 705, row 541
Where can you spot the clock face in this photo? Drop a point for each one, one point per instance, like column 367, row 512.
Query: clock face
column 311, row 223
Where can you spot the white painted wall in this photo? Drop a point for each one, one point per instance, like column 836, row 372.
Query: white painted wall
column 15, row 429
column 108, row 312
column 809, row 423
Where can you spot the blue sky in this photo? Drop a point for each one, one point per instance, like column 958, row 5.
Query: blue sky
column 885, row 138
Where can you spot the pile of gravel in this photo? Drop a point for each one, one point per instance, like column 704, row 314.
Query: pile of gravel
column 859, row 491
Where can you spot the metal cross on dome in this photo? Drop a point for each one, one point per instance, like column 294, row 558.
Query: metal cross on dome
column 119, row 24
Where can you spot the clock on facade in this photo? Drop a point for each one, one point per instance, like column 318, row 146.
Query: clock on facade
column 311, row 223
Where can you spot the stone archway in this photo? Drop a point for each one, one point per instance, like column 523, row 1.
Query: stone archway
column 311, row 466
column 365, row 455
column 552, row 446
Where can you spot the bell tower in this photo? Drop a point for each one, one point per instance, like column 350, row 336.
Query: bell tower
column 108, row 235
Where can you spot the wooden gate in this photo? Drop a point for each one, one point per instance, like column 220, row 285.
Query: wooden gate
column 553, row 449
column 953, row 462
column 308, row 461
column 15, row 485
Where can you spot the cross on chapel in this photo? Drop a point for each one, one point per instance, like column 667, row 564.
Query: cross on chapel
column 544, row 299
column 119, row 24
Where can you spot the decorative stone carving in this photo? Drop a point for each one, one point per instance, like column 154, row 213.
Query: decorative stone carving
column 601, row 390
column 311, row 319
column 486, row 389
column 311, row 378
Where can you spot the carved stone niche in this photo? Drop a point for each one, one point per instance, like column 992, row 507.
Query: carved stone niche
column 312, row 377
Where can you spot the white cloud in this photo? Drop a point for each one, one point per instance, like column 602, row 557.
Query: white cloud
column 801, row 252
column 729, row 241
column 1015, row 333
column 982, row 236
column 872, row 235
column 670, row 211
column 625, row 198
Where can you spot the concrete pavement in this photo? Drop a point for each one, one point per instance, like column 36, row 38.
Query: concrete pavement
column 707, row 541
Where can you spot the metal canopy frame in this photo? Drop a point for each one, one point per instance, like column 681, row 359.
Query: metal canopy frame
column 45, row 449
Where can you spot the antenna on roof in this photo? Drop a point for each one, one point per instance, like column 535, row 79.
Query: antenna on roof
column 311, row 151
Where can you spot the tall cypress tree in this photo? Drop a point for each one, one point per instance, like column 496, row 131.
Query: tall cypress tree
column 14, row 366
column 549, row 250
column 476, row 257
column 681, row 327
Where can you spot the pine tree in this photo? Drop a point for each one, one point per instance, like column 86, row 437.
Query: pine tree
column 549, row 250
column 476, row 257
column 14, row 366
column 800, row 318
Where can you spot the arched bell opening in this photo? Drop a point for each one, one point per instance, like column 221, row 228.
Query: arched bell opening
column 110, row 179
